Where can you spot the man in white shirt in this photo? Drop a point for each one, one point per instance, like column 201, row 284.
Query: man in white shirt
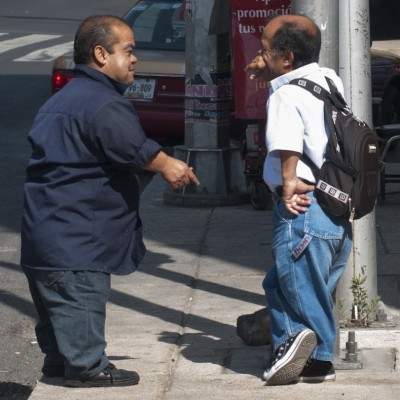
column 310, row 247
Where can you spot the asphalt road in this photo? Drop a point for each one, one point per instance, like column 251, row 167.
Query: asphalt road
column 25, row 86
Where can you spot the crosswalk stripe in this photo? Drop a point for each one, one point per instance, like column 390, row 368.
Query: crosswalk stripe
column 47, row 54
column 11, row 44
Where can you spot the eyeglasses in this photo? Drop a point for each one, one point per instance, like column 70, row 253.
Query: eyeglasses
column 265, row 52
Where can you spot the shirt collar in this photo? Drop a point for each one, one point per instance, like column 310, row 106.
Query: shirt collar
column 297, row 73
column 99, row 76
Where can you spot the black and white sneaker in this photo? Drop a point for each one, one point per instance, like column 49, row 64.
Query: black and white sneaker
column 317, row 371
column 290, row 358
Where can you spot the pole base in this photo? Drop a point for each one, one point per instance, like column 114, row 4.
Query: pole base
column 199, row 200
column 221, row 175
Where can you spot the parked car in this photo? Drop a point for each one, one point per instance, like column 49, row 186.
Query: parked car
column 158, row 92
column 385, row 81
column 159, row 88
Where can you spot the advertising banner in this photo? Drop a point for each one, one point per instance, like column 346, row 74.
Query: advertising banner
column 248, row 20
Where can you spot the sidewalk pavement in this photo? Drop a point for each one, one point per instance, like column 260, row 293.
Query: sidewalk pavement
column 174, row 320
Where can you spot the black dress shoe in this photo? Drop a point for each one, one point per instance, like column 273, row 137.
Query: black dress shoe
column 110, row 376
column 53, row 371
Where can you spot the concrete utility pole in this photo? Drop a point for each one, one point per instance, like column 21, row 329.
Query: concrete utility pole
column 351, row 59
column 208, row 109
column 325, row 13
column 355, row 71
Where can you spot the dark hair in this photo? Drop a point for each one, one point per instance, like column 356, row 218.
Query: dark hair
column 303, row 42
column 96, row 30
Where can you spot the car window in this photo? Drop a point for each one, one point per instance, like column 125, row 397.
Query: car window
column 157, row 25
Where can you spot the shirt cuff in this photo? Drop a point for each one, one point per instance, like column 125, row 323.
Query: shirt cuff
column 148, row 151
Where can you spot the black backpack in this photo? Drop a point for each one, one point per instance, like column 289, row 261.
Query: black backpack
column 347, row 183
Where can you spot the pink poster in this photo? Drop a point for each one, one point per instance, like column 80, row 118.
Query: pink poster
column 248, row 20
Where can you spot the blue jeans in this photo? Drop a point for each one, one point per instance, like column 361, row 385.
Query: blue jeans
column 72, row 309
column 310, row 253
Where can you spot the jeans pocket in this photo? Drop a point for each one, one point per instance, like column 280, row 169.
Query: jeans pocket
column 318, row 223
column 281, row 213
column 51, row 278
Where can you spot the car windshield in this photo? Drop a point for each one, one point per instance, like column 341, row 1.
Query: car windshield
column 157, row 25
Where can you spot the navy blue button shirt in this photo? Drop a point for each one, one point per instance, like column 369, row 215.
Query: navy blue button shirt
column 81, row 192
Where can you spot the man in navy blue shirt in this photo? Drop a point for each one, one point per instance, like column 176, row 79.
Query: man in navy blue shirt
column 80, row 218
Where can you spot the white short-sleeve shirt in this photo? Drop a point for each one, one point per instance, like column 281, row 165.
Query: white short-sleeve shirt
column 295, row 122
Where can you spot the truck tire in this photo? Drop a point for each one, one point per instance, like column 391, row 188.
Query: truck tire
column 260, row 195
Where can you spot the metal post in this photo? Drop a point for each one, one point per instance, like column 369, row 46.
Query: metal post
column 325, row 13
column 208, row 107
column 355, row 71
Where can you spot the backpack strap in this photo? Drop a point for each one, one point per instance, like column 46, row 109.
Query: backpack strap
column 318, row 91
column 335, row 98
column 321, row 93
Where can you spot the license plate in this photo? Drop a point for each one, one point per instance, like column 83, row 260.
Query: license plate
column 141, row 89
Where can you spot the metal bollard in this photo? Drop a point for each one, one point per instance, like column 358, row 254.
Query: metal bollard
column 381, row 316
column 351, row 347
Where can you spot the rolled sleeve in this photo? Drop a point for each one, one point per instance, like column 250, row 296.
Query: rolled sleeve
column 148, row 150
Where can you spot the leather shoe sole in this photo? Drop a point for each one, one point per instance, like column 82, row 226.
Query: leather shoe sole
column 53, row 371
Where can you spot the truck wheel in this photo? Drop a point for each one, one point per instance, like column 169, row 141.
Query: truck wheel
column 260, row 195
